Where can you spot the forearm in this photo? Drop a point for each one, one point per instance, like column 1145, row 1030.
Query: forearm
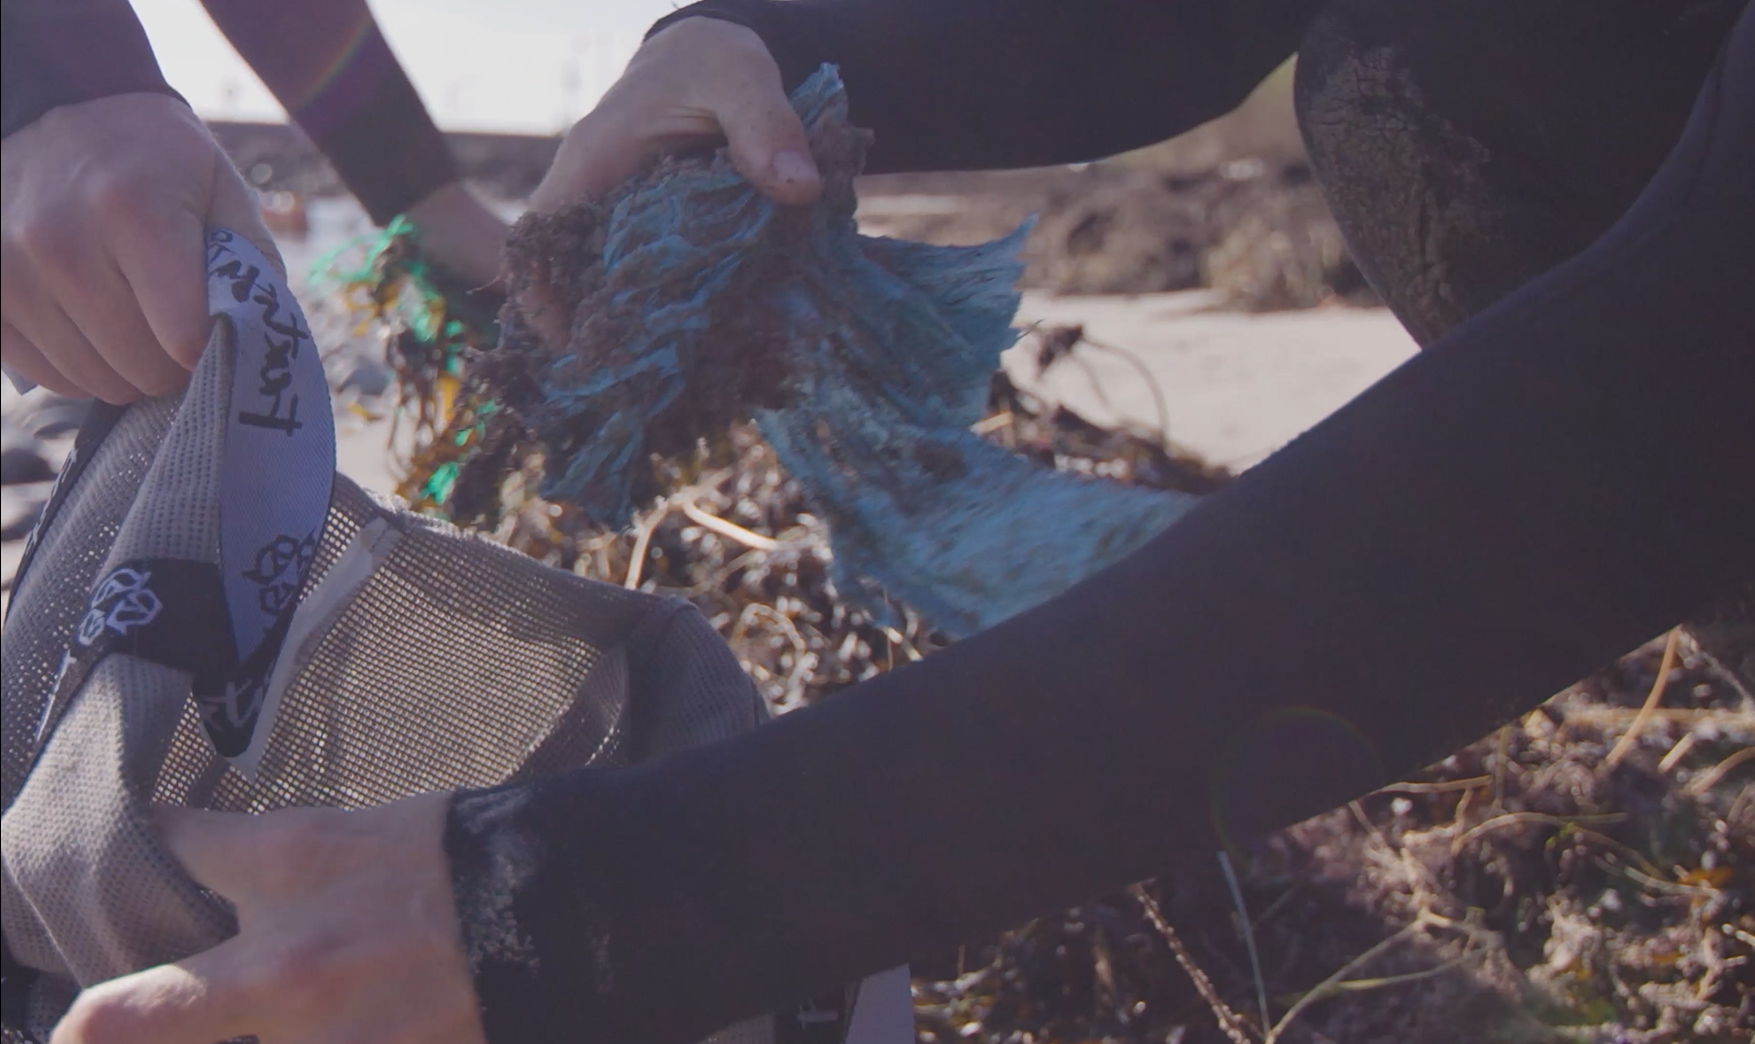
column 1555, row 482
column 972, row 84
column 61, row 52
column 328, row 64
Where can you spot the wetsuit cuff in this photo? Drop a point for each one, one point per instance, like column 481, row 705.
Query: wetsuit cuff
column 527, row 909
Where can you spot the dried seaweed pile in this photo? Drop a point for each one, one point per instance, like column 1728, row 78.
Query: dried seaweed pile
column 731, row 530
column 427, row 321
column 1258, row 233
column 1523, row 890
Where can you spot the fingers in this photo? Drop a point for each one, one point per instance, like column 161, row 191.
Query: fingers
column 235, row 206
column 196, row 1001
column 347, row 932
column 541, row 307
column 459, row 232
column 594, row 157
column 17, row 352
column 105, row 208
column 104, row 311
column 61, row 343
column 766, row 139
column 699, row 79
column 160, row 255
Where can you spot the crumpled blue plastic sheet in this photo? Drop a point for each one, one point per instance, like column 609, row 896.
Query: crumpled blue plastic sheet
column 885, row 351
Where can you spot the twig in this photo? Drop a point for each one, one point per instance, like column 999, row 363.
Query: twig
column 900, row 639
column 1639, row 877
column 1651, row 702
column 1230, row 1023
column 1248, row 933
column 1329, row 986
column 1725, row 674
column 1426, row 885
column 1444, row 787
column 1361, row 985
column 728, row 529
column 1501, row 756
column 1151, row 385
column 1518, row 818
column 1678, row 715
column 643, row 539
column 989, row 425
column 683, row 498
column 1626, row 850
column 1040, row 329
column 1709, row 779
column 1677, row 752
column 1278, row 904
column 800, row 648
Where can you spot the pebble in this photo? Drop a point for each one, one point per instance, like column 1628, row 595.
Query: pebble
column 21, row 504
column 20, row 464
column 36, row 432
column 11, row 554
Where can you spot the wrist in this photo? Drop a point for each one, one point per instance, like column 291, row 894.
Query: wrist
column 459, row 233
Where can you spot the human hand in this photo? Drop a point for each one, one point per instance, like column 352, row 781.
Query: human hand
column 103, row 219
column 697, row 80
column 701, row 78
column 460, row 233
column 347, row 933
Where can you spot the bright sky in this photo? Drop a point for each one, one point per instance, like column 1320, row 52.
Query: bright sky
column 512, row 65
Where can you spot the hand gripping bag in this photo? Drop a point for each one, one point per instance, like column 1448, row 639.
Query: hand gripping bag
column 209, row 616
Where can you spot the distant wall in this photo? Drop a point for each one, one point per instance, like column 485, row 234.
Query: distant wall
column 508, row 166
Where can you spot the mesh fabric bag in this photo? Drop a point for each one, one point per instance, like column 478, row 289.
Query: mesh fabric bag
column 209, row 616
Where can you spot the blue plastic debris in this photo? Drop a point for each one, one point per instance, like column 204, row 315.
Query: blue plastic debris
column 865, row 361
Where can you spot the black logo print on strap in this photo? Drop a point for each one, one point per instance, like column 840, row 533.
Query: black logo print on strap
column 280, row 569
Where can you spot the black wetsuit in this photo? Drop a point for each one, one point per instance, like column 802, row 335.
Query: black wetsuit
column 1557, row 479
column 1560, row 477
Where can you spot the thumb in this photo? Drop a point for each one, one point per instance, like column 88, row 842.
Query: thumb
column 235, row 207
column 205, row 997
column 767, row 143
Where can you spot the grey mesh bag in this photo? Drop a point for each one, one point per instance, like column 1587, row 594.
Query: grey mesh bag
column 209, row 616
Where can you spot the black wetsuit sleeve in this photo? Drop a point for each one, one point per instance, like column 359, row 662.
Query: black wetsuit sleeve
column 1556, row 481
column 980, row 84
column 61, row 52
column 328, row 64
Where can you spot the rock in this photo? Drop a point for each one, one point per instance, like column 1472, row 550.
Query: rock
column 20, row 507
column 1259, row 232
column 368, row 378
column 23, row 464
column 11, row 554
column 48, row 416
column 35, row 435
